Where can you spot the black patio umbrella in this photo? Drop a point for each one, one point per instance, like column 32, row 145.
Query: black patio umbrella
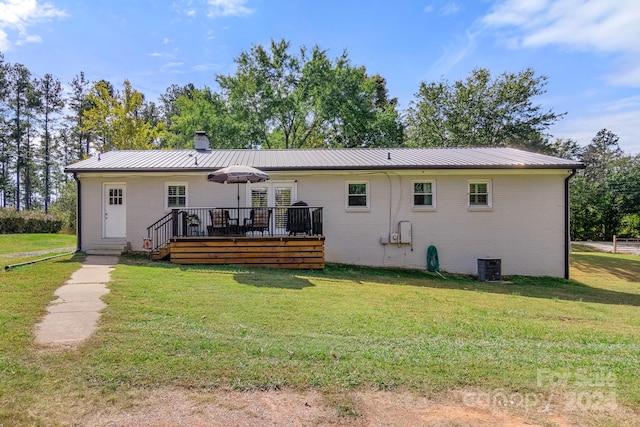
column 237, row 174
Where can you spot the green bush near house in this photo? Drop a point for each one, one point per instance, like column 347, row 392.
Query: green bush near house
column 28, row 222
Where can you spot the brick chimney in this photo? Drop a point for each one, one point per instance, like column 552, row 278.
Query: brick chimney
column 201, row 141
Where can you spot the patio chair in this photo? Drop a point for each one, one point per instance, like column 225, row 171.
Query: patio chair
column 258, row 220
column 219, row 222
column 298, row 219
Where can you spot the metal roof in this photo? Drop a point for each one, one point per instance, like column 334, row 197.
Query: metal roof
column 321, row 159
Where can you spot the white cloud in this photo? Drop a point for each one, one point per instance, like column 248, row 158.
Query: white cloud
column 628, row 73
column 4, row 41
column 602, row 26
column 630, row 103
column 621, row 116
column 19, row 15
column 228, row 8
column 453, row 55
column 213, row 8
column 449, row 8
column 33, row 38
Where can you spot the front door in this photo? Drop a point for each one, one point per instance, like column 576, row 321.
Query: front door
column 115, row 210
column 274, row 194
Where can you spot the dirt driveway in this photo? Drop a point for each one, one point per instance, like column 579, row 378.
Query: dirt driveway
column 357, row 408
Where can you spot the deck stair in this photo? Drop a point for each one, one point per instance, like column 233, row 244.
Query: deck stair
column 161, row 253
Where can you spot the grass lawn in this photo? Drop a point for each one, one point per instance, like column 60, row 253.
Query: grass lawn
column 17, row 248
column 341, row 328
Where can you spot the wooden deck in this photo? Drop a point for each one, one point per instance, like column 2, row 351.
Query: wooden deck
column 295, row 252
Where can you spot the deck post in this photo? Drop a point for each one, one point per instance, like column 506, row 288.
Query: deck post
column 174, row 222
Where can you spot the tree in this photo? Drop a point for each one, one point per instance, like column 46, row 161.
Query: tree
column 358, row 111
column 600, row 155
column 50, row 106
column 202, row 109
column 22, row 99
column 480, row 111
column 264, row 95
column 78, row 138
column 566, row 149
column 607, row 191
column 5, row 155
column 133, row 132
column 170, row 136
column 115, row 119
column 99, row 116
column 282, row 99
column 65, row 204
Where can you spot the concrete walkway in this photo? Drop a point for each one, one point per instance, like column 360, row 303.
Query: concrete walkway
column 73, row 316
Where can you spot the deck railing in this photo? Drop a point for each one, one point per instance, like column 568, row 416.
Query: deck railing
column 235, row 221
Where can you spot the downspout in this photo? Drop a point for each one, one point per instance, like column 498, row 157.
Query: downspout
column 78, row 213
column 567, row 234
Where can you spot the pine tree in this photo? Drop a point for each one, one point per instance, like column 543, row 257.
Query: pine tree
column 51, row 105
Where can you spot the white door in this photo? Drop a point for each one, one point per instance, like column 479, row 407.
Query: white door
column 115, row 210
column 274, row 194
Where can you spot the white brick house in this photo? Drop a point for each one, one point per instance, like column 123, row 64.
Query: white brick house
column 381, row 207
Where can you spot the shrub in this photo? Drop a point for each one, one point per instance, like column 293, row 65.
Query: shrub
column 64, row 207
column 26, row 222
column 630, row 226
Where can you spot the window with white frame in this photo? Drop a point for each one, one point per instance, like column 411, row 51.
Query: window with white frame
column 358, row 195
column 176, row 195
column 259, row 197
column 479, row 194
column 424, row 194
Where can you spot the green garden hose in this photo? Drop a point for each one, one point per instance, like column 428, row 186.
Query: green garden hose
column 432, row 259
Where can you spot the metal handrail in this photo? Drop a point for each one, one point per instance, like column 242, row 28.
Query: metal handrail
column 190, row 222
column 158, row 232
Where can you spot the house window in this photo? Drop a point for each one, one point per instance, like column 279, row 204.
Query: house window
column 424, row 194
column 480, row 194
column 259, row 197
column 176, row 195
column 358, row 195
column 115, row 196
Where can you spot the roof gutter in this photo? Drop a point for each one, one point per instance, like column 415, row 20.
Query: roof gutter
column 331, row 168
column 78, row 213
column 567, row 234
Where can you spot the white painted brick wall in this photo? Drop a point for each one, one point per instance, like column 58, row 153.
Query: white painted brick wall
column 525, row 227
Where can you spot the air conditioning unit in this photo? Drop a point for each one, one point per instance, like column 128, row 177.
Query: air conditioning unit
column 489, row 270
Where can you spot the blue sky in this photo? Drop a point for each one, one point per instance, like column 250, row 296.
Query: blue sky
column 589, row 49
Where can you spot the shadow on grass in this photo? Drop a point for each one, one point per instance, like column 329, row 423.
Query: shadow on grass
column 535, row 287
column 627, row 269
column 262, row 279
column 577, row 247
